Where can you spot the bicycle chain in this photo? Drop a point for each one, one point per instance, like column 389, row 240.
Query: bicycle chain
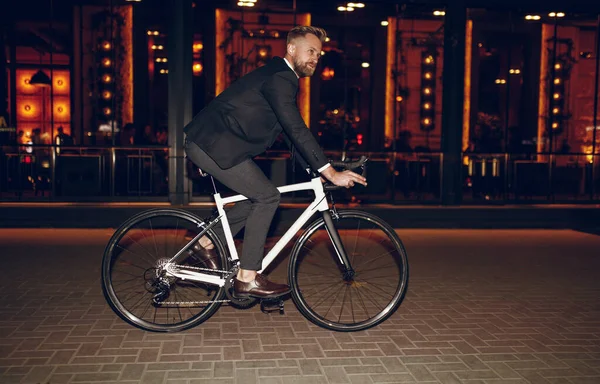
column 200, row 269
column 179, row 303
column 191, row 303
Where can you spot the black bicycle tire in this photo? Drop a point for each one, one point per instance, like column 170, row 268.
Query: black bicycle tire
column 109, row 292
column 389, row 310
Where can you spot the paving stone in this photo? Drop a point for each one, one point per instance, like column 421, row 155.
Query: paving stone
column 494, row 317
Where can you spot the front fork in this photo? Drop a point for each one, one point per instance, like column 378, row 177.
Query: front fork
column 332, row 231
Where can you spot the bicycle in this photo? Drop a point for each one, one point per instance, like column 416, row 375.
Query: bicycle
column 171, row 289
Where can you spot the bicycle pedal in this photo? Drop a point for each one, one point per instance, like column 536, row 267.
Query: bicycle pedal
column 271, row 305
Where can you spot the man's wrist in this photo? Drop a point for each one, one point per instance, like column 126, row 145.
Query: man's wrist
column 320, row 170
column 329, row 173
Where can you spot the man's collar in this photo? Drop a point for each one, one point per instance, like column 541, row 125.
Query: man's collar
column 290, row 65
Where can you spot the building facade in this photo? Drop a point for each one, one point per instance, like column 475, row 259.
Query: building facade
column 453, row 102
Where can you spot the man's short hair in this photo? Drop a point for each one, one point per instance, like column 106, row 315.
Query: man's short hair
column 303, row 30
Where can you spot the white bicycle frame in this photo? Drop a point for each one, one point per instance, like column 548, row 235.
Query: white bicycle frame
column 318, row 204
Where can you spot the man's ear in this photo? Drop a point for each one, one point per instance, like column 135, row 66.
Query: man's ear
column 291, row 49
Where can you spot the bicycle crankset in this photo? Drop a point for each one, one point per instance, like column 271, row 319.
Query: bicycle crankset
column 244, row 303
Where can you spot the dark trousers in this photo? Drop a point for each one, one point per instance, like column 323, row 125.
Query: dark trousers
column 256, row 213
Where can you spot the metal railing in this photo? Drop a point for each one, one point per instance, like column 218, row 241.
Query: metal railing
column 73, row 173
column 51, row 173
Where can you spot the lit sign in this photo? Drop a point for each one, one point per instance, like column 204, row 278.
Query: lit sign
column 4, row 127
column 108, row 127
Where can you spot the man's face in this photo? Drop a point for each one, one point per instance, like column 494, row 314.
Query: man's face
column 305, row 53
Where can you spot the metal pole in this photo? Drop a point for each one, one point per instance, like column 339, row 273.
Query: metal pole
column 113, row 168
column 507, row 98
column 51, row 75
column 551, row 158
column 82, row 135
column 395, row 103
column 294, row 9
column 345, row 63
column 595, row 119
column 53, row 147
column 113, row 120
column 551, row 93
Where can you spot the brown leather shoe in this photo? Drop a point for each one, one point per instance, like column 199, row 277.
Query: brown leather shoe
column 260, row 287
column 202, row 257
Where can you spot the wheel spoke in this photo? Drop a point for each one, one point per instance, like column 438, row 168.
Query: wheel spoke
column 356, row 303
column 131, row 288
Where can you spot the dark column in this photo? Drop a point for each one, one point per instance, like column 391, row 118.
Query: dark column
column 141, row 91
column 452, row 101
column 376, row 139
column 5, row 136
column 12, row 47
column 595, row 118
column 179, row 46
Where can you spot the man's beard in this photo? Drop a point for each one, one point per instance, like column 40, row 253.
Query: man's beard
column 303, row 69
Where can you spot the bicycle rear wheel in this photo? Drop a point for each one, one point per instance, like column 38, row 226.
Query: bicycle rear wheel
column 332, row 299
column 136, row 285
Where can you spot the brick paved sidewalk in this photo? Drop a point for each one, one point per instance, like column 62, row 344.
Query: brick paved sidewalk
column 483, row 307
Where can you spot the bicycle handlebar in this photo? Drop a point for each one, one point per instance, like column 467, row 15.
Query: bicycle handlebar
column 349, row 165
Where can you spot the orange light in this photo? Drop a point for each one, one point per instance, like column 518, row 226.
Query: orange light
column 557, row 66
column 427, row 91
column 554, row 125
column 107, row 111
column 107, row 78
column 106, row 62
column 555, row 111
column 60, row 81
column 29, row 110
column 327, row 73
column 197, row 68
column 427, row 106
column 262, row 52
column 429, row 60
column 62, row 110
column 106, row 95
column 557, row 95
column 106, row 45
column 197, row 47
column 399, row 98
column 427, row 75
column 23, row 82
column 557, row 81
column 426, row 121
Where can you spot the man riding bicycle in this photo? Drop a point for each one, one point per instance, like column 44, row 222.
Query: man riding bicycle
column 241, row 123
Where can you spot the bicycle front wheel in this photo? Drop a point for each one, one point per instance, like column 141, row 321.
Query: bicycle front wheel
column 330, row 298
column 134, row 279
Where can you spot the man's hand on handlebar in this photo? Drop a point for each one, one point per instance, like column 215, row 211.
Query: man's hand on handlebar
column 345, row 178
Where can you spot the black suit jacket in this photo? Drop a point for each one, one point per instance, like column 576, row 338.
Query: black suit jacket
column 245, row 119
